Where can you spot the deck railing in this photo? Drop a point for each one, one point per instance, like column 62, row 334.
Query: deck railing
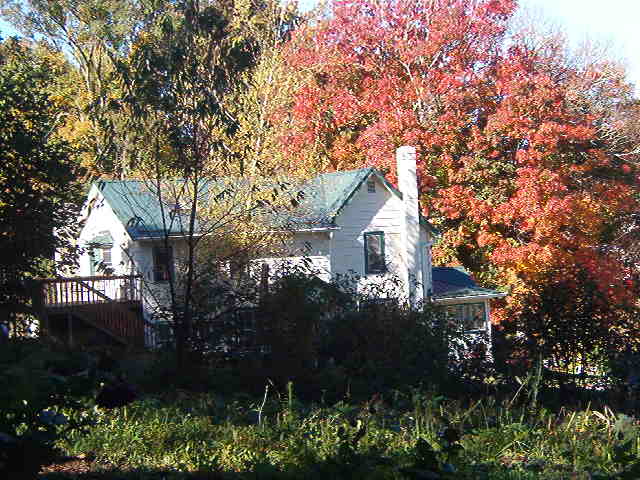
column 90, row 290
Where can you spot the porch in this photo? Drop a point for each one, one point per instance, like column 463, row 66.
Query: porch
column 95, row 309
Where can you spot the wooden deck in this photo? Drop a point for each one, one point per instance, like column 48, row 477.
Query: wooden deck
column 108, row 304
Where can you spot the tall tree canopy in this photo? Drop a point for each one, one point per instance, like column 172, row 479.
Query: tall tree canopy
column 523, row 161
column 106, row 40
column 186, row 85
column 39, row 198
column 97, row 35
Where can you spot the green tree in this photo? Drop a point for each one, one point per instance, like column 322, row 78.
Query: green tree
column 103, row 37
column 97, row 35
column 39, row 197
column 187, row 87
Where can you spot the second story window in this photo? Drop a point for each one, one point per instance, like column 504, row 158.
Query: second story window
column 374, row 261
column 162, row 263
column 100, row 262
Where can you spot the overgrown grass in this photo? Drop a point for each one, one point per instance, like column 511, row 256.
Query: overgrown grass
column 405, row 435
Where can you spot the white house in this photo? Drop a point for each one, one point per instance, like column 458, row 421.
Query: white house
column 354, row 222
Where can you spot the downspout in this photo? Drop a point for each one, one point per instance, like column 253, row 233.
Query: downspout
column 331, row 272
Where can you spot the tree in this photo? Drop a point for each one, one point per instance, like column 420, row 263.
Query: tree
column 184, row 87
column 522, row 163
column 97, row 35
column 103, row 36
column 389, row 73
column 39, row 198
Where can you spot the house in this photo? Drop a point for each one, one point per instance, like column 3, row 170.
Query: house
column 347, row 222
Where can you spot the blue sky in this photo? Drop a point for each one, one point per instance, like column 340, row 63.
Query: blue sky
column 615, row 21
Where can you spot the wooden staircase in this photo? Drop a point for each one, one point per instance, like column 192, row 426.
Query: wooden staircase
column 106, row 305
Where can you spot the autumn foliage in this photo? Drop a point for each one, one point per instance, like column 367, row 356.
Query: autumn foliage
column 517, row 160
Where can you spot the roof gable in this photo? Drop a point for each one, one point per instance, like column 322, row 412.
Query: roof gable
column 326, row 195
column 341, row 187
column 138, row 209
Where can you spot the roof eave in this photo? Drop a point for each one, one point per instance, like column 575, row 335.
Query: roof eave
column 485, row 296
column 164, row 235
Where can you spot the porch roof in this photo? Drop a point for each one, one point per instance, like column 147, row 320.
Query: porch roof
column 456, row 283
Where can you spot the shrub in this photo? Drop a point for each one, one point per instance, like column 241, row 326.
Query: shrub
column 41, row 397
column 387, row 345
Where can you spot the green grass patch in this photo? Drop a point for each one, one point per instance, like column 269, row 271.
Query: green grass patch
column 403, row 436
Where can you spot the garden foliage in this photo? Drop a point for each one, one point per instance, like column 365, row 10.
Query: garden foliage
column 44, row 396
column 402, row 434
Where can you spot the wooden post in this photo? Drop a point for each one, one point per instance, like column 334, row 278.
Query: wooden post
column 264, row 281
column 38, row 303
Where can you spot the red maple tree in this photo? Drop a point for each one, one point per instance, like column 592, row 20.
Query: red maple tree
column 516, row 160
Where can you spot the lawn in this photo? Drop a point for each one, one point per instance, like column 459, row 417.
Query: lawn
column 412, row 434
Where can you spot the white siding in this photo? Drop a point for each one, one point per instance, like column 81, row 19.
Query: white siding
column 156, row 294
column 369, row 212
column 305, row 249
column 382, row 211
column 425, row 252
column 102, row 219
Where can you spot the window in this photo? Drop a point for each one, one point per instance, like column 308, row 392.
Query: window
column 471, row 316
column 162, row 263
column 100, row 260
column 106, row 257
column 371, row 186
column 374, row 253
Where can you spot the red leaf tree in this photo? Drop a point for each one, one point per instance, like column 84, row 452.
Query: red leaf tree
column 520, row 161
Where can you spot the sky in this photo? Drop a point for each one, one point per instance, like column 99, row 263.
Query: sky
column 615, row 21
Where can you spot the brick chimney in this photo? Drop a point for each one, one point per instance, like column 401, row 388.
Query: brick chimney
column 410, row 232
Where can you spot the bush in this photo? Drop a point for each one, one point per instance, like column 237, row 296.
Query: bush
column 388, row 346
column 573, row 328
column 368, row 339
column 42, row 395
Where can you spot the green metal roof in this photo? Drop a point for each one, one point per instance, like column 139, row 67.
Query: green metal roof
column 326, row 195
column 318, row 202
column 137, row 207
